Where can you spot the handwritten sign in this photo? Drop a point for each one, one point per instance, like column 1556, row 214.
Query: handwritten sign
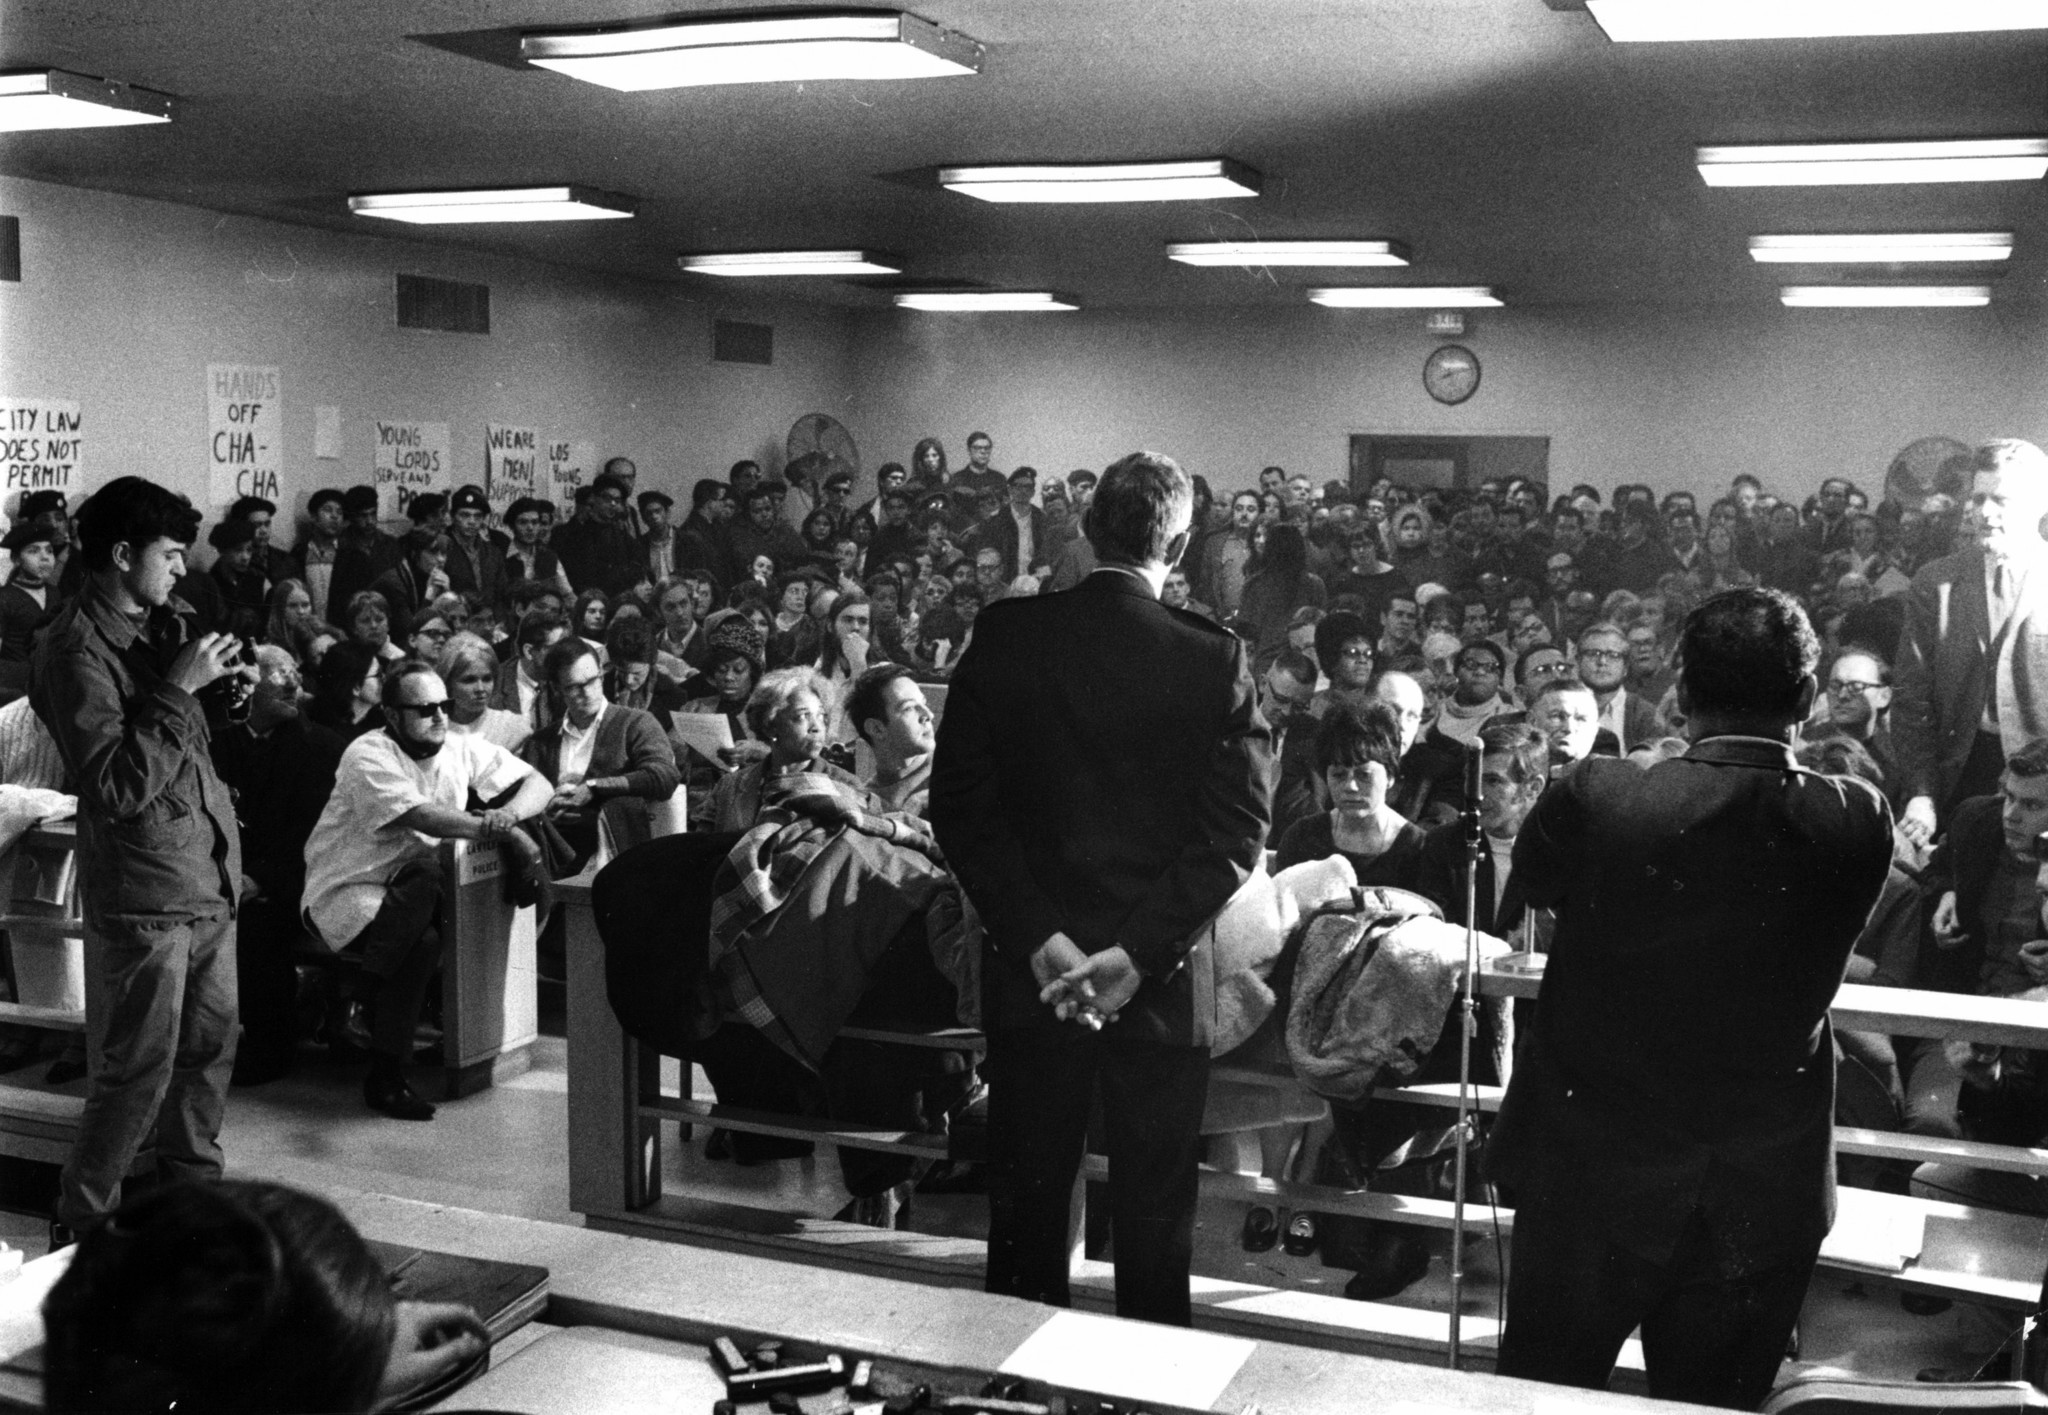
column 409, row 460
column 245, row 432
column 569, row 463
column 511, row 465
column 41, row 442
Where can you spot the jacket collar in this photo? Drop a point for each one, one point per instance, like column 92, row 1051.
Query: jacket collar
column 1744, row 751
column 119, row 629
column 1112, row 579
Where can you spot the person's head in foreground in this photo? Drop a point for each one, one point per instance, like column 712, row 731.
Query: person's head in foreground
column 236, row 1296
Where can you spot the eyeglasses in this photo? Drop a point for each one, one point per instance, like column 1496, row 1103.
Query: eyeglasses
column 584, row 685
column 1603, row 655
column 1849, row 687
column 1355, row 655
column 439, row 709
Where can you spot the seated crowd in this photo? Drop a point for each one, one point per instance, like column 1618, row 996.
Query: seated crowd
column 553, row 686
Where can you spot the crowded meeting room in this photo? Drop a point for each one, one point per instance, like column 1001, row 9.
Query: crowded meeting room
column 1029, row 708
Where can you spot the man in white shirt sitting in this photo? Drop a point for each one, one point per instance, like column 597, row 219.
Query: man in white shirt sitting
column 373, row 873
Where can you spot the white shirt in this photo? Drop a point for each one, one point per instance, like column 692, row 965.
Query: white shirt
column 1614, row 717
column 508, row 729
column 1025, row 548
column 358, row 844
column 528, row 688
column 573, row 764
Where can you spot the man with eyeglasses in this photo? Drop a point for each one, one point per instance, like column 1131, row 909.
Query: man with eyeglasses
column 595, row 751
column 1859, row 692
column 373, row 868
column 596, row 548
column 1603, row 667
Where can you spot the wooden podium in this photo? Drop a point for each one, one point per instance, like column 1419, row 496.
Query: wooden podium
column 490, row 1010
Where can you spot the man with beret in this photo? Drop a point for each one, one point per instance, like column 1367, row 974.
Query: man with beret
column 595, row 548
column 475, row 566
column 30, row 599
column 363, row 552
column 265, row 557
column 228, row 595
column 316, row 549
column 658, row 542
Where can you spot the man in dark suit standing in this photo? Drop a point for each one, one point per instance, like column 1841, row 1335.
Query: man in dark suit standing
column 1972, row 675
column 1668, row 1132
column 1101, row 788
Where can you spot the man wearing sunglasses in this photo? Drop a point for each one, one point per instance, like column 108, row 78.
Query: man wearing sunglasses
column 373, row 872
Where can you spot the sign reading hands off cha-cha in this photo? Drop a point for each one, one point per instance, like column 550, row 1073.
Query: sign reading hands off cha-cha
column 245, row 432
column 41, row 446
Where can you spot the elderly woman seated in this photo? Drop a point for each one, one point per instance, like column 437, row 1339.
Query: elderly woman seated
column 790, row 711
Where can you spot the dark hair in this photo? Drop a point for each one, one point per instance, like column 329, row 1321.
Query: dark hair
column 1024, row 474
column 1296, row 665
column 2029, row 761
column 1528, row 749
column 562, row 657
column 1141, row 503
column 419, row 538
column 136, row 511
column 585, row 598
column 1486, row 646
column 1744, row 653
column 246, row 506
column 345, row 664
column 535, row 628
column 733, row 472
column 864, row 703
column 1286, row 554
column 236, row 1295
column 974, row 437
column 706, row 490
column 1845, row 756
column 324, row 495
column 1351, row 736
column 1334, row 630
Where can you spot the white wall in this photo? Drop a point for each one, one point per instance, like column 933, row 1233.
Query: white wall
column 123, row 303
column 1675, row 398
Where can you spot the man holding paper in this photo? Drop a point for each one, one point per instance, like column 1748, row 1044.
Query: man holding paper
column 1101, row 790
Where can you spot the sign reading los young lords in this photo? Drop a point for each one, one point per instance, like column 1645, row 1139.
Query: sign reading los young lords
column 511, row 465
column 41, row 446
column 245, row 432
column 410, row 459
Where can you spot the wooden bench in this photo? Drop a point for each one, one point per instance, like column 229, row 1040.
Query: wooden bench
column 617, row 1106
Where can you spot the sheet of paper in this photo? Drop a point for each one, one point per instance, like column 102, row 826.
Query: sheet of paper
column 1879, row 1238
column 326, row 431
column 21, row 1308
column 703, row 732
column 1130, row 1360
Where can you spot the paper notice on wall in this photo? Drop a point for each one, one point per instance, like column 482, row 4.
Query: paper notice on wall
column 410, row 459
column 511, row 465
column 41, row 447
column 245, row 432
column 570, row 465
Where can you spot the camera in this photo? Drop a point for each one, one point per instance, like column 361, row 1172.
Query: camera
column 229, row 694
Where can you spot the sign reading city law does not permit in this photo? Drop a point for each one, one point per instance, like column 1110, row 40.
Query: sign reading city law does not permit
column 410, row 459
column 41, row 445
column 245, row 431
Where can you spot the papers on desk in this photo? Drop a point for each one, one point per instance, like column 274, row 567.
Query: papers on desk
column 705, row 733
column 1130, row 1360
column 1877, row 1238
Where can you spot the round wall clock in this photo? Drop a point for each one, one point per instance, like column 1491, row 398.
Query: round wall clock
column 1451, row 374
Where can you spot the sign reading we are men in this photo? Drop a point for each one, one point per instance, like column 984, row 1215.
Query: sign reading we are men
column 245, row 431
column 42, row 446
column 511, row 465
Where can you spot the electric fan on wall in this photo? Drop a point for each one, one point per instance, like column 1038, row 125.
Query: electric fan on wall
column 819, row 446
column 1932, row 466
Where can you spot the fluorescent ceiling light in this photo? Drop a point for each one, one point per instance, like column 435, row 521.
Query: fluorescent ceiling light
column 1203, row 180
column 964, row 302
column 1630, row 21
column 507, row 204
column 1868, row 296
column 1261, row 253
column 1958, row 246
column 1845, row 164
column 784, row 49
column 1407, row 297
column 53, row 98
column 787, row 263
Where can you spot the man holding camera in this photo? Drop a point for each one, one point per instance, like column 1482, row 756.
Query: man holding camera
column 114, row 680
